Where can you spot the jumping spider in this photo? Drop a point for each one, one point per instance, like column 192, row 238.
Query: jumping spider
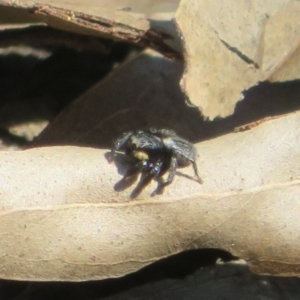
column 154, row 152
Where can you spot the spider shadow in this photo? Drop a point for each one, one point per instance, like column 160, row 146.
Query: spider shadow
column 179, row 173
column 124, row 164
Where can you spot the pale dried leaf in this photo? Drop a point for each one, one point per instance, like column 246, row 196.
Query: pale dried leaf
column 111, row 20
column 230, row 46
column 282, row 45
column 62, row 220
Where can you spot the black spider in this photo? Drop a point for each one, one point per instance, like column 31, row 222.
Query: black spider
column 154, row 152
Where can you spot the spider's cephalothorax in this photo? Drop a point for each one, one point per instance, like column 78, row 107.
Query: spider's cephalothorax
column 154, row 152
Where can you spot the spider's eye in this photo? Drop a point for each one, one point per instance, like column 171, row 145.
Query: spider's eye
column 145, row 164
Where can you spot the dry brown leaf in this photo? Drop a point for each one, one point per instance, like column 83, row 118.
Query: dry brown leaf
column 112, row 20
column 143, row 92
column 62, row 220
column 230, row 46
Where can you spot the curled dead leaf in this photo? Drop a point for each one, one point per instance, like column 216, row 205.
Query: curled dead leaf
column 143, row 92
column 62, row 220
column 231, row 46
column 140, row 23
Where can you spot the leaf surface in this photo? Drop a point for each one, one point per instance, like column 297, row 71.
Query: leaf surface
column 231, row 46
column 62, row 220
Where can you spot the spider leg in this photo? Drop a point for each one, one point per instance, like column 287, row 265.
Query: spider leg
column 140, row 166
column 118, row 145
column 156, row 168
column 145, row 180
column 160, row 187
column 131, row 175
column 172, row 171
column 199, row 179
column 159, row 175
column 150, row 170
